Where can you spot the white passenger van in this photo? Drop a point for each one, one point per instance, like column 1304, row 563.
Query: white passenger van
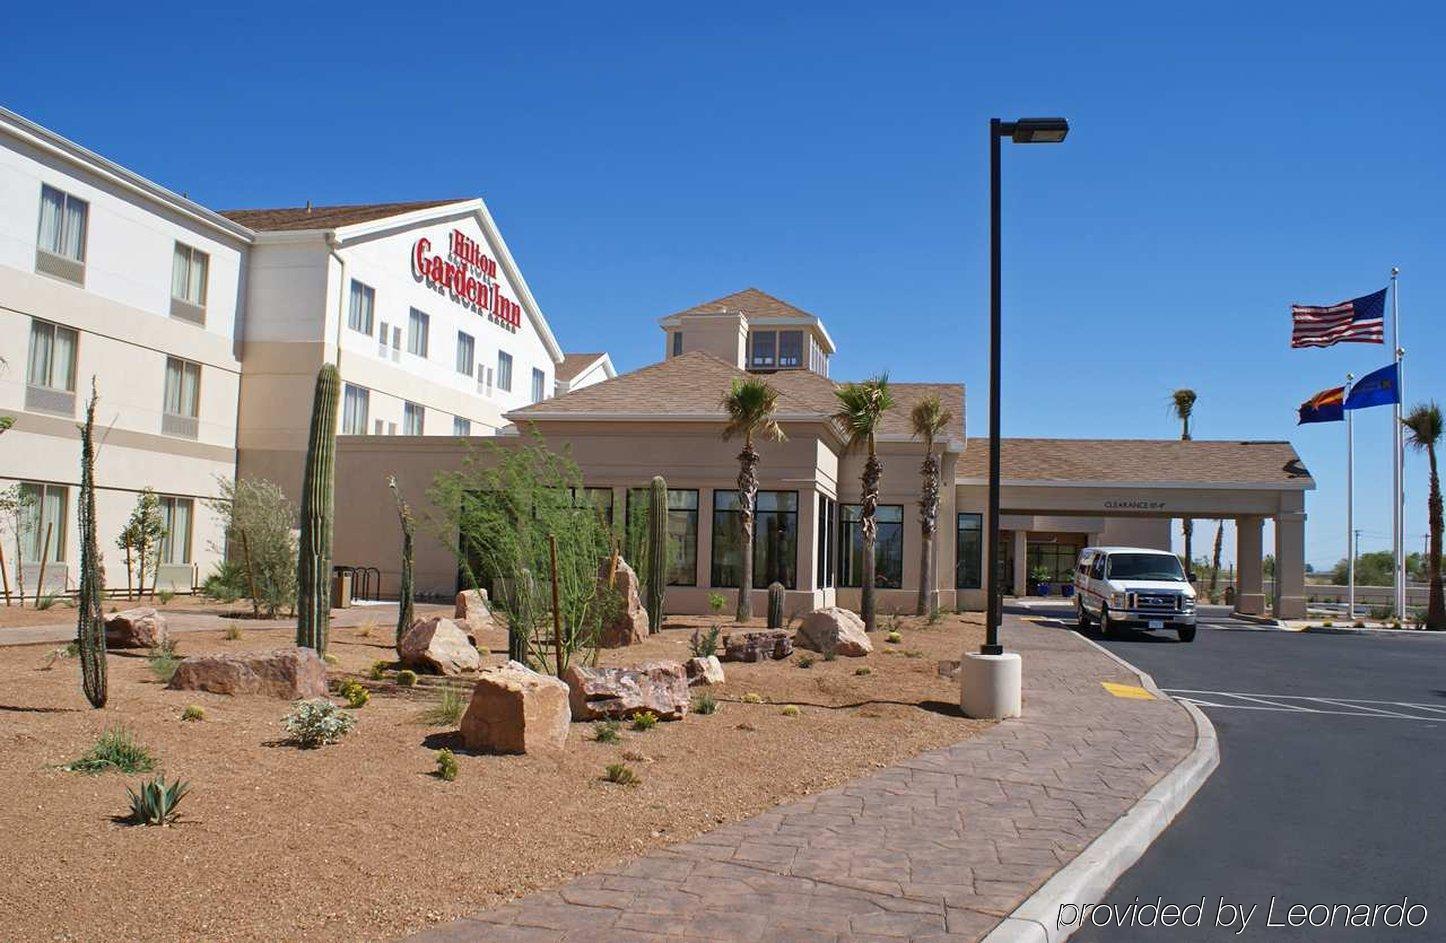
column 1147, row 589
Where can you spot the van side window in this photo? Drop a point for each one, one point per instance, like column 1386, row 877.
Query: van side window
column 1099, row 567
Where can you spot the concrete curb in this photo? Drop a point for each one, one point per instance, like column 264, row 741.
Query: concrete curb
column 1089, row 877
column 1379, row 633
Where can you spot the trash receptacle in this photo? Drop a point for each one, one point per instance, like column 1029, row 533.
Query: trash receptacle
column 341, row 589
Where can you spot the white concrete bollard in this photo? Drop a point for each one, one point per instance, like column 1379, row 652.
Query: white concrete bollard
column 990, row 685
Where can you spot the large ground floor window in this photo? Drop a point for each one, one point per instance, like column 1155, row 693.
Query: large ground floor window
column 43, row 516
column 682, row 531
column 969, row 552
column 178, row 514
column 888, row 546
column 775, row 540
column 1052, row 560
column 827, row 540
column 600, row 499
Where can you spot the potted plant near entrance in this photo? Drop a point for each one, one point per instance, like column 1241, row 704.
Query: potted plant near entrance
column 1066, row 587
column 1039, row 576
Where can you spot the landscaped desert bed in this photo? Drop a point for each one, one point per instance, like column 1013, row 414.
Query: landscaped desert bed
column 358, row 840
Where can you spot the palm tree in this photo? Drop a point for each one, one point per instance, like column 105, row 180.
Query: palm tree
column 861, row 412
column 750, row 404
column 1423, row 431
column 1182, row 401
column 928, row 419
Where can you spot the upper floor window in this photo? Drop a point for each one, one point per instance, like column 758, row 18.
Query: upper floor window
column 790, row 348
column 176, row 544
column 413, row 418
column 189, row 268
column 355, row 404
column 539, row 383
column 466, row 353
column 504, row 371
column 419, row 327
column 363, row 306
column 52, row 356
column 677, row 343
column 61, row 240
column 182, row 403
column 764, row 351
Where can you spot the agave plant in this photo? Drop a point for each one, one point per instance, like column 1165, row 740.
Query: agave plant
column 154, row 803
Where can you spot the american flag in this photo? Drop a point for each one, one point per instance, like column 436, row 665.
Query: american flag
column 1360, row 320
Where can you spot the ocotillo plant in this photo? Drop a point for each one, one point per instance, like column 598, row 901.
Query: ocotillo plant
column 90, row 632
column 313, row 567
column 657, row 552
column 775, row 605
column 406, row 602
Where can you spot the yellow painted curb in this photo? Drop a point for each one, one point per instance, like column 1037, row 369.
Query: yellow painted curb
column 1133, row 691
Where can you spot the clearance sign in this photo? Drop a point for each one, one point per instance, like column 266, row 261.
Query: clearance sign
column 468, row 275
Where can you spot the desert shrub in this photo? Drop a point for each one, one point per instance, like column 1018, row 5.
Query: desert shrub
column 234, row 633
column 406, row 678
column 913, row 653
column 446, row 765
column 705, row 703
column 644, row 721
column 378, row 671
column 893, row 638
column 621, row 773
column 704, row 643
column 1381, row 613
column 366, row 629
column 1359, row 623
column 163, row 662
column 117, row 749
column 165, row 595
column 936, row 615
column 317, row 722
column 448, row 709
column 1327, row 624
column 259, row 523
column 154, row 802
column 830, row 655
column 226, row 583
column 863, row 671
column 353, row 693
column 716, row 603
column 69, row 650
column 791, row 710
column 805, row 661
column 331, row 659
column 193, row 712
column 47, row 600
column 607, row 731
column 753, row 697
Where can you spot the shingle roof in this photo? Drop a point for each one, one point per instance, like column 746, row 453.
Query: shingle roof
column 751, row 302
column 325, row 217
column 573, row 364
column 1205, row 461
column 693, row 385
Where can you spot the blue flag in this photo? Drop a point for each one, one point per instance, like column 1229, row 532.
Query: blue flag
column 1378, row 388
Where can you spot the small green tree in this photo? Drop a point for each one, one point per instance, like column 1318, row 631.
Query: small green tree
column 259, row 525
column 498, row 512
column 141, row 539
column 17, row 507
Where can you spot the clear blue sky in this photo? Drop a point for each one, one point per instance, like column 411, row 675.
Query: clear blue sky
column 1225, row 160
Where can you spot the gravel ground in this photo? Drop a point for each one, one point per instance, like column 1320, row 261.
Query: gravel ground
column 357, row 841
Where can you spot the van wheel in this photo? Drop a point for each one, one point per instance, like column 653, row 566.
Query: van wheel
column 1187, row 635
column 1106, row 627
column 1082, row 618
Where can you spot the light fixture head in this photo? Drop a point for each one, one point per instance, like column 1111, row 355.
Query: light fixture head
column 1037, row 130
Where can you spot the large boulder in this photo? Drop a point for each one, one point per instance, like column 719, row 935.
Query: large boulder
column 516, row 710
column 473, row 610
column 757, row 646
column 834, row 630
column 629, row 624
column 291, row 673
column 704, row 671
column 657, row 686
column 439, row 645
column 135, row 628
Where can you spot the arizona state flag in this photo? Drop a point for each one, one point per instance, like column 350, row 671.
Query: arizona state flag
column 1325, row 406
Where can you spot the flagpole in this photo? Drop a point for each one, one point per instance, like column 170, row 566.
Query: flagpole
column 1397, row 458
column 1350, row 503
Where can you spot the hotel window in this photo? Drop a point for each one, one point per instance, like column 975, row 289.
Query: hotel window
column 539, row 381
column 600, row 499
column 466, row 353
column 42, row 510
column 413, row 419
column 682, row 531
column 461, row 426
column 176, row 544
column 888, row 546
column 181, row 405
column 50, row 370
column 790, row 349
column 189, row 268
column 969, row 552
column 677, row 343
column 363, row 306
column 504, row 371
column 419, row 327
column 775, row 540
column 827, row 540
column 764, row 353
column 355, row 406
column 60, row 244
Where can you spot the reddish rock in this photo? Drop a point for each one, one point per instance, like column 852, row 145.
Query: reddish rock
column 834, row 630
column 757, row 646
column 516, row 710
column 439, row 645
column 291, row 673
column 629, row 625
column 135, row 628
column 657, row 686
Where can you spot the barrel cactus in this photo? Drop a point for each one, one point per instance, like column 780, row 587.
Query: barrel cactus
column 90, row 630
column 775, row 605
column 657, row 552
column 313, row 568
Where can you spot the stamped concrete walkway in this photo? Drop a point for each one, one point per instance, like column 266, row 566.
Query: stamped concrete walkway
column 938, row 848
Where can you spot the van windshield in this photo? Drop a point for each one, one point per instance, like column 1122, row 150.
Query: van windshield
column 1145, row 566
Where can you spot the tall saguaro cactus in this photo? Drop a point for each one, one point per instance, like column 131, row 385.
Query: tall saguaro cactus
column 406, row 592
column 313, row 567
column 90, row 630
column 657, row 552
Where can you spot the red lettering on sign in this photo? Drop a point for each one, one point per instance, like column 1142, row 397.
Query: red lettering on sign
column 468, row 274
